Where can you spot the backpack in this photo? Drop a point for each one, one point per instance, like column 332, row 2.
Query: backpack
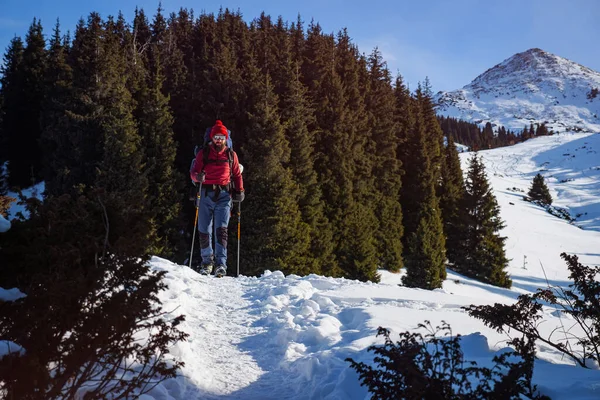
column 205, row 148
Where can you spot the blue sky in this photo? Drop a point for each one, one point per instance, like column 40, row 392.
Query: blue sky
column 449, row 41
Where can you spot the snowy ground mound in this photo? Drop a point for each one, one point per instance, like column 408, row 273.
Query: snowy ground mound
column 286, row 337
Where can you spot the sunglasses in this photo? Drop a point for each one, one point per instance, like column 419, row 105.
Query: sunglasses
column 219, row 137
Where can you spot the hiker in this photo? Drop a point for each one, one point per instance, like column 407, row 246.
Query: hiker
column 215, row 167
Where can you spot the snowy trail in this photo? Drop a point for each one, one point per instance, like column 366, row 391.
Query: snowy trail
column 217, row 321
column 278, row 337
column 287, row 337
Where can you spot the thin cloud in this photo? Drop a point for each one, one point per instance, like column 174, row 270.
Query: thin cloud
column 415, row 63
column 7, row 23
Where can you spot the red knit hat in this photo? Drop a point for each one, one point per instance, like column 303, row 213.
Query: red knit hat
column 219, row 129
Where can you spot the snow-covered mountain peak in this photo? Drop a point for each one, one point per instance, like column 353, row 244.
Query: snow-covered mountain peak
column 533, row 68
column 530, row 87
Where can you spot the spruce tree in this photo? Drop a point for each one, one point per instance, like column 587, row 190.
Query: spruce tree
column 298, row 40
column 97, row 141
column 59, row 79
column 424, row 255
column 154, row 123
column 435, row 135
column 415, row 153
column 72, row 128
column 380, row 103
column 182, row 88
column 120, row 167
column 539, row 191
column 13, row 102
column 296, row 116
column 451, row 194
column 24, row 153
column 330, row 157
column 481, row 255
column 275, row 236
column 352, row 134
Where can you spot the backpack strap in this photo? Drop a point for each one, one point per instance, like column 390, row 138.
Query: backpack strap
column 206, row 160
column 206, row 151
column 230, row 157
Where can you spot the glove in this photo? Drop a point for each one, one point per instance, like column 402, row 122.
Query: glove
column 238, row 196
column 200, row 177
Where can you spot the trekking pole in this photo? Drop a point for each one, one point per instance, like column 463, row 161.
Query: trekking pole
column 195, row 223
column 239, row 213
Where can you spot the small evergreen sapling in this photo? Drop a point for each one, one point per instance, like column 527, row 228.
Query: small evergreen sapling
column 539, row 191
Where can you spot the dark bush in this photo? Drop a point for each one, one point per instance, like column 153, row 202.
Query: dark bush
column 91, row 321
column 581, row 301
column 433, row 367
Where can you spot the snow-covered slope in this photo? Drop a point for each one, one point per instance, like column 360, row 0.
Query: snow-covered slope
column 286, row 337
column 530, row 87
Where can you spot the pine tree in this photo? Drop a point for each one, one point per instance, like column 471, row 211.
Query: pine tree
column 404, row 116
column 296, row 117
column 386, row 167
column 539, row 191
column 525, row 134
column 481, row 255
column 73, row 129
column 298, row 40
column 97, row 142
column 435, row 135
column 155, row 127
column 274, row 234
column 24, row 153
column 353, row 135
column 531, row 131
column 451, row 194
column 421, row 158
column 424, row 255
column 541, row 130
column 119, row 169
column 487, row 136
column 59, row 79
column 182, row 88
column 12, row 105
column 154, row 124
column 330, row 157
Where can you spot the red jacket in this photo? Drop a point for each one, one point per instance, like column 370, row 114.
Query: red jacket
column 218, row 173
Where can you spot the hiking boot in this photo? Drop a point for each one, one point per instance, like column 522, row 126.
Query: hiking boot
column 206, row 269
column 221, row 271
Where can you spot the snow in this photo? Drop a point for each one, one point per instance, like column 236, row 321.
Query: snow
column 287, row 337
column 16, row 208
column 7, row 347
column 10, row 294
column 4, row 224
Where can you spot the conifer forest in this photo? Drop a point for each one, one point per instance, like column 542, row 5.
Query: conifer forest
column 346, row 169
